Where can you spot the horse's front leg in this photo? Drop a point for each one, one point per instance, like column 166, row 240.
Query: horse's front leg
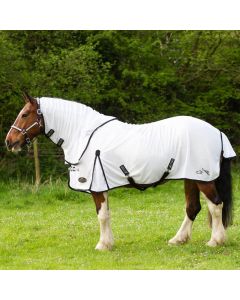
column 106, row 237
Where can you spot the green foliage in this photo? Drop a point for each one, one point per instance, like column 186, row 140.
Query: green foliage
column 137, row 76
column 78, row 74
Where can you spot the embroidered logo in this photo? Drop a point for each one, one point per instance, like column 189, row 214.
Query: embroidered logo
column 203, row 171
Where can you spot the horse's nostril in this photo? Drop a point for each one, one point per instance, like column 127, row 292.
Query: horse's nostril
column 7, row 143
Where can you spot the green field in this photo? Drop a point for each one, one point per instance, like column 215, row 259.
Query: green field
column 56, row 228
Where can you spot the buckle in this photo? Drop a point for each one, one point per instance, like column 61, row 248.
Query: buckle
column 28, row 141
column 39, row 111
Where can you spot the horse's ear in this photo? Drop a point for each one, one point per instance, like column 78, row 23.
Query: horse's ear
column 28, row 98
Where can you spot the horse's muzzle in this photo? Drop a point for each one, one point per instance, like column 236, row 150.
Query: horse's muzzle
column 11, row 146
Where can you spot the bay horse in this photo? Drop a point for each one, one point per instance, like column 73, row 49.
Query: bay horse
column 91, row 171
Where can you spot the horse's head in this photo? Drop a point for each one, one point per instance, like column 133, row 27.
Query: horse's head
column 28, row 124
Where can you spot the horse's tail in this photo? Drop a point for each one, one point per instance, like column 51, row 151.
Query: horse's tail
column 224, row 189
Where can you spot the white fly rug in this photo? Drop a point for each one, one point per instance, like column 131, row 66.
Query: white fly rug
column 103, row 152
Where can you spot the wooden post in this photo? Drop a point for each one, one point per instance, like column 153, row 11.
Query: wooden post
column 37, row 163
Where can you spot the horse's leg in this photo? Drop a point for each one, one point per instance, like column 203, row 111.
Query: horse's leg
column 106, row 237
column 193, row 207
column 215, row 206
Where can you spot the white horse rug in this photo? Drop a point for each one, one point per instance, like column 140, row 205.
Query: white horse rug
column 105, row 153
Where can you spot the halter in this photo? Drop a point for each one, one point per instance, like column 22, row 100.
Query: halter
column 24, row 131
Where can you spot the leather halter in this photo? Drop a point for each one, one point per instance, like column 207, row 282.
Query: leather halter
column 24, row 131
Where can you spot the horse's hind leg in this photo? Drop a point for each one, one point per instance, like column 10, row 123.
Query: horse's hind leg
column 193, row 207
column 215, row 206
column 106, row 237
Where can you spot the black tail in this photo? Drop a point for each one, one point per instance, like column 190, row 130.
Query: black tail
column 224, row 189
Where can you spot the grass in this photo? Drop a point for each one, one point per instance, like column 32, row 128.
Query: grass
column 56, row 228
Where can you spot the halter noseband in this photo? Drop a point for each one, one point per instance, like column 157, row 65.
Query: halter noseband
column 24, row 131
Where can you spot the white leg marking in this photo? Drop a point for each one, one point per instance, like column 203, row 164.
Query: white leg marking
column 184, row 233
column 218, row 236
column 106, row 237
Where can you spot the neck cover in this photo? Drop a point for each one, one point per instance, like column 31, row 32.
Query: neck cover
column 72, row 122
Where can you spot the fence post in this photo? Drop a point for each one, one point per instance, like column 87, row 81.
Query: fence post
column 37, row 163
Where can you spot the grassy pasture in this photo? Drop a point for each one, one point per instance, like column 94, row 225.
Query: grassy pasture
column 56, row 228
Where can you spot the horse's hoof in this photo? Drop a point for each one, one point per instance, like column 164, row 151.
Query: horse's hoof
column 104, row 246
column 177, row 241
column 173, row 241
column 212, row 243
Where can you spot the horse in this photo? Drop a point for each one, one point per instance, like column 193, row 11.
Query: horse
column 104, row 153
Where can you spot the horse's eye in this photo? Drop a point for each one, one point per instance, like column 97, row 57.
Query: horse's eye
column 24, row 115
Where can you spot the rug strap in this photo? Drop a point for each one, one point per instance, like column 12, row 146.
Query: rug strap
column 166, row 173
column 140, row 187
column 97, row 157
column 50, row 133
column 143, row 187
column 221, row 145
